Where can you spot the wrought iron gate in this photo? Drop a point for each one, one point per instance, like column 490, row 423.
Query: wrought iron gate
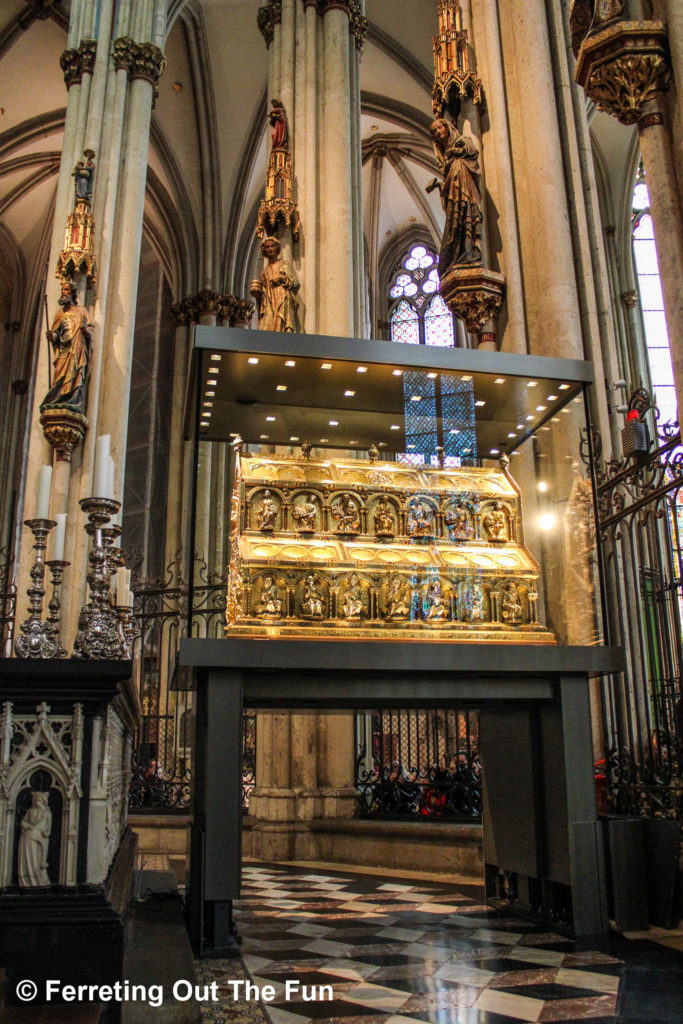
column 640, row 520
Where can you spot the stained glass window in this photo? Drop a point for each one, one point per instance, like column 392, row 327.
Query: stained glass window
column 419, row 315
column 652, row 303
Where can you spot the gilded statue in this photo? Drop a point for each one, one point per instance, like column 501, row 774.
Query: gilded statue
column 586, row 16
column 474, row 603
column 71, row 339
column 267, row 513
column 398, row 599
column 83, row 174
column 304, row 515
column 353, row 606
column 278, row 122
column 313, row 606
column 435, row 602
column 458, row 159
column 511, row 607
column 420, row 519
column 269, row 605
column 457, row 522
column 34, row 838
column 385, row 520
column 345, row 512
column 495, row 524
column 275, row 292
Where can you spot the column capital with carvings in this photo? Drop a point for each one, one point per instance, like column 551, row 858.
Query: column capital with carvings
column 228, row 308
column 141, row 60
column 358, row 23
column 623, row 67
column 267, row 18
column 76, row 63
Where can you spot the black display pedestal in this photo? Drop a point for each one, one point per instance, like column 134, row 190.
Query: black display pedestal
column 555, row 840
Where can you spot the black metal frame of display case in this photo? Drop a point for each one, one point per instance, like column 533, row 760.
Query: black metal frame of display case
column 540, row 821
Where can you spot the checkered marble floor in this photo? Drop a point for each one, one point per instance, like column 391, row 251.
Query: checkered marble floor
column 396, row 953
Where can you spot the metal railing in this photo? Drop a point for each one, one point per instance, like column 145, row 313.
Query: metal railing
column 421, row 764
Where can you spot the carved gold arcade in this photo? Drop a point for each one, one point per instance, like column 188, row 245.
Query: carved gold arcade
column 350, row 548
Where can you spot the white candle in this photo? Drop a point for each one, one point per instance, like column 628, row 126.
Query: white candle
column 58, row 538
column 130, row 596
column 44, row 484
column 101, row 482
column 110, row 479
column 120, row 587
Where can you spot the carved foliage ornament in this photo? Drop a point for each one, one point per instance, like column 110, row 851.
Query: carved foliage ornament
column 267, row 18
column 76, row 63
column 140, row 60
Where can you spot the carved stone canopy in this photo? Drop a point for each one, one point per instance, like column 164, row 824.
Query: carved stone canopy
column 473, row 294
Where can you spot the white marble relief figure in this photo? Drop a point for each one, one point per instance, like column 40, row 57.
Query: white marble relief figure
column 36, row 826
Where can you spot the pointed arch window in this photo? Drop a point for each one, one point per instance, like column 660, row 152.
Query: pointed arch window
column 652, row 303
column 418, row 315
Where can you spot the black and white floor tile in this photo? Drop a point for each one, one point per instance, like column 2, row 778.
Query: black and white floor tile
column 396, row 953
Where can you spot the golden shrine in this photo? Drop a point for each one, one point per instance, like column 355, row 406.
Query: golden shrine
column 374, row 549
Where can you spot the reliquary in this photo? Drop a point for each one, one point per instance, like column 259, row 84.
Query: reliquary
column 356, row 548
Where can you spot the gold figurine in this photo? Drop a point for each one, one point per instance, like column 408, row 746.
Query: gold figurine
column 267, row 514
column 346, row 514
column 275, row 291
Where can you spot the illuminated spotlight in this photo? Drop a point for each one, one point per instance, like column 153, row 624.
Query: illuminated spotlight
column 541, row 408
column 294, row 438
column 205, row 423
column 532, row 383
column 520, row 426
column 397, row 373
column 382, row 444
column 217, row 359
column 253, row 360
column 499, row 380
column 281, row 387
column 208, row 405
column 480, row 404
column 453, row 431
column 546, row 429
column 465, row 378
column 551, row 398
column 264, row 437
column 529, row 418
column 495, row 451
column 542, row 486
column 290, row 362
column 395, row 426
column 566, row 410
column 416, row 398
column 361, row 369
column 564, row 387
column 326, row 366
column 432, row 376
column 334, row 423
column 209, row 394
column 547, row 521
column 234, row 435
column 270, row 419
column 353, row 442
column 512, row 434
column 410, row 446
column 349, row 394
column 324, row 440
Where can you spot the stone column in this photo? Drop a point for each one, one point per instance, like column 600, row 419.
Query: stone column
column 336, row 298
column 176, row 455
column 308, row 195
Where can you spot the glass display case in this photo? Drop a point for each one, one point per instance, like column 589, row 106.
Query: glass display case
column 369, row 489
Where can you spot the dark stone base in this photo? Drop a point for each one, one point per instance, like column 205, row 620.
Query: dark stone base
column 74, row 935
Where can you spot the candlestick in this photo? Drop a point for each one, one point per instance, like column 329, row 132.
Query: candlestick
column 56, row 567
column 37, row 639
column 43, row 499
column 58, row 538
column 99, row 629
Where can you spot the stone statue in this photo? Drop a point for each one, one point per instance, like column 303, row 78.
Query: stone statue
column 278, row 121
column 269, row 604
column 346, row 514
column 36, row 826
column 385, row 520
column 313, row 603
column 511, row 608
column 458, row 525
column 275, row 292
column 304, row 515
column 495, row 524
column 267, row 514
column 458, row 158
column 586, row 16
column 353, row 606
column 434, row 602
column 71, row 338
column 398, row 599
column 420, row 519
column 83, row 174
